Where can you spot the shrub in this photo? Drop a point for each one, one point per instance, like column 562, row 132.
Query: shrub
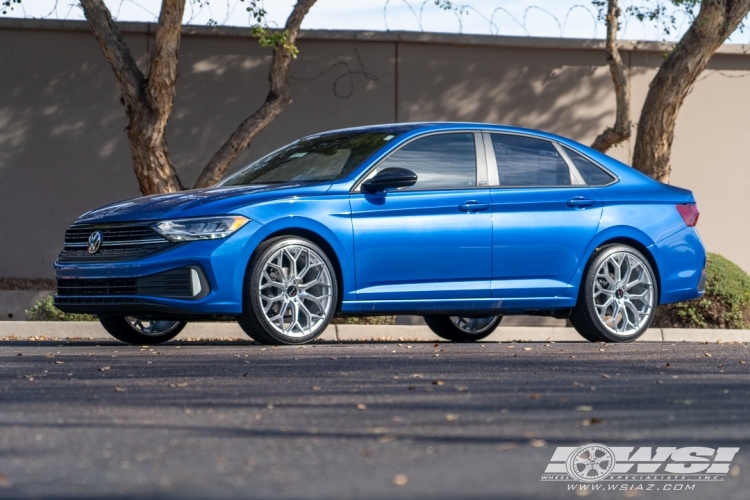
column 45, row 310
column 726, row 303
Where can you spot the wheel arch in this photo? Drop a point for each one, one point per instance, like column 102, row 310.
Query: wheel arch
column 320, row 241
column 631, row 242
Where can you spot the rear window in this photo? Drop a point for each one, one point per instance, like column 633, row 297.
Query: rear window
column 591, row 172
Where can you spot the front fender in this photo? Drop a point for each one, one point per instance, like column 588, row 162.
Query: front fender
column 328, row 217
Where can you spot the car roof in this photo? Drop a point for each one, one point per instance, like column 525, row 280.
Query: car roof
column 420, row 127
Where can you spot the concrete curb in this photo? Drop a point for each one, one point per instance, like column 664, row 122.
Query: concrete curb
column 33, row 330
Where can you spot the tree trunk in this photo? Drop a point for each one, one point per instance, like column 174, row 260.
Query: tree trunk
column 147, row 100
column 277, row 99
column 716, row 20
column 621, row 129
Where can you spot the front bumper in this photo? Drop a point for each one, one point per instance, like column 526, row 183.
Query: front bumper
column 221, row 265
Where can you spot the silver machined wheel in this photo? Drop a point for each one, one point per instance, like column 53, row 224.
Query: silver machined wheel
column 623, row 293
column 296, row 291
column 474, row 326
column 152, row 328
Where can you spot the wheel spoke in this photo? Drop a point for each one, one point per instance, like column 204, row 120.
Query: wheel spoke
column 636, row 314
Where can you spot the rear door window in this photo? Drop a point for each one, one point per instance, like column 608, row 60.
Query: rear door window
column 528, row 162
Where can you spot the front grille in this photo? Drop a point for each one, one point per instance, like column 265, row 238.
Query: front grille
column 172, row 284
column 119, row 242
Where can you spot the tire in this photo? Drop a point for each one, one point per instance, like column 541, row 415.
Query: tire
column 461, row 328
column 135, row 331
column 618, row 296
column 284, row 309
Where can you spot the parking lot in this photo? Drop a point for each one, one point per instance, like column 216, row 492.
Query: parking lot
column 354, row 420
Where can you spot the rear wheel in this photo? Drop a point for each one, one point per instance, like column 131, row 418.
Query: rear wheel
column 462, row 328
column 139, row 331
column 290, row 292
column 618, row 296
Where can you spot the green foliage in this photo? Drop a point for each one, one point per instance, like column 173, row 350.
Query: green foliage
column 726, row 303
column 662, row 14
column 267, row 38
column 45, row 310
column 448, row 5
column 274, row 39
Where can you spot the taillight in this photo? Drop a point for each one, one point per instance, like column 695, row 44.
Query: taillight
column 689, row 213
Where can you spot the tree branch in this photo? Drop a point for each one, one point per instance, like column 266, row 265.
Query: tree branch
column 148, row 100
column 716, row 20
column 115, row 50
column 621, row 129
column 277, row 99
column 162, row 74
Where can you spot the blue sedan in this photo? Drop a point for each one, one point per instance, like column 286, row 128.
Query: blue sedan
column 461, row 223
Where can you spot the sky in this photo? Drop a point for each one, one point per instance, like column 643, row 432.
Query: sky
column 548, row 18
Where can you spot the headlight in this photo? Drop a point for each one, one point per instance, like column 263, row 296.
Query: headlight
column 209, row 228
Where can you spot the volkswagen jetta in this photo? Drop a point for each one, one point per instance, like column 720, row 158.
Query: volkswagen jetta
column 460, row 223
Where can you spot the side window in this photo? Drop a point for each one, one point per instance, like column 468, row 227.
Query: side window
column 441, row 161
column 526, row 161
column 592, row 174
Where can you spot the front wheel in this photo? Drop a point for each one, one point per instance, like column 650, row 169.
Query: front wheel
column 290, row 292
column 462, row 328
column 618, row 296
column 137, row 331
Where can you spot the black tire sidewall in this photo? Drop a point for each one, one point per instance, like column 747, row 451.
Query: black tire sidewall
column 443, row 327
column 120, row 328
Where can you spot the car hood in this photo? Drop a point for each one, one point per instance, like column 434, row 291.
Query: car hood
column 198, row 202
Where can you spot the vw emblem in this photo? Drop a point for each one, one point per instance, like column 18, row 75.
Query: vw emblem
column 95, row 241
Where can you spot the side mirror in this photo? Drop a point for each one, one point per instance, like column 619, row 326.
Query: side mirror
column 390, row 178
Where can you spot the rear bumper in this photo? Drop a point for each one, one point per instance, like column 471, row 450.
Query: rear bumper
column 681, row 259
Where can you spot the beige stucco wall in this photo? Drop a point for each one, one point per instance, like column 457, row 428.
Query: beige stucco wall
column 63, row 150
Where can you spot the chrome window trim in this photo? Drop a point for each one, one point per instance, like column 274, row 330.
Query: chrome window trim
column 481, row 160
column 357, row 188
column 576, row 178
column 489, row 152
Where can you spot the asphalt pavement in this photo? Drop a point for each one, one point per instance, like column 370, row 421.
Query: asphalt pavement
column 356, row 420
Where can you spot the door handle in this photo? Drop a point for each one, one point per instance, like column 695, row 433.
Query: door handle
column 580, row 202
column 473, row 206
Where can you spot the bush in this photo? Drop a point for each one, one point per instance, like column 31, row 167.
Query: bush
column 726, row 303
column 45, row 310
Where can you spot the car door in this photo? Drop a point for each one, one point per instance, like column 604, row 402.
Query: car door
column 544, row 216
column 432, row 240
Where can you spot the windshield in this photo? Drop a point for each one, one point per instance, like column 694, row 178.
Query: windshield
column 321, row 158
